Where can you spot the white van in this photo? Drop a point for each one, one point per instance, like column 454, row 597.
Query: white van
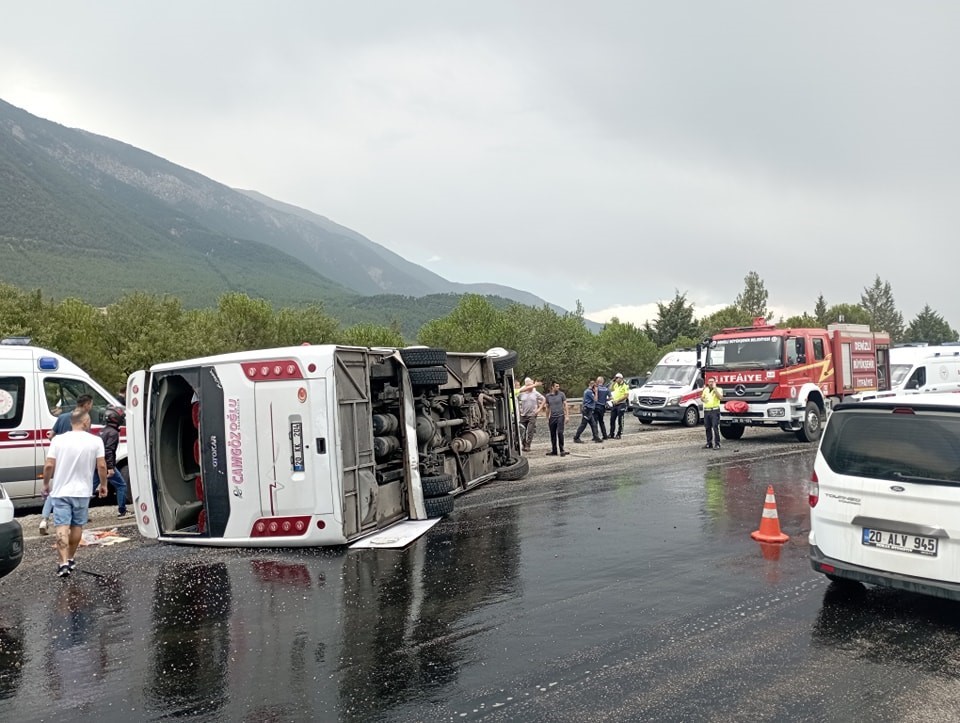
column 885, row 491
column 924, row 367
column 36, row 385
column 672, row 391
column 315, row 445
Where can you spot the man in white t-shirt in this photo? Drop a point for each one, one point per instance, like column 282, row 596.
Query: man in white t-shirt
column 71, row 461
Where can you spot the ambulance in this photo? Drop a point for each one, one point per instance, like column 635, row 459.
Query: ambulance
column 315, row 445
column 919, row 368
column 37, row 385
column 671, row 392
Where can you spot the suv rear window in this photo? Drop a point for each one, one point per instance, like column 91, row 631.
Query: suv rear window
column 878, row 443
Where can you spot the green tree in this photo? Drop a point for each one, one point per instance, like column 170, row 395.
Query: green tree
column 752, row 301
column 141, row 330
column 371, row 335
column 551, row 346
column 930, row 327
column 305, row 324
column 820, row 312
column 674, row 320
column 802, row 321
column 75, row 329
column 726, row 318
column 245, row 323
column 622, row 347
column 847, row 314
column 877, row 301
column 473, row 325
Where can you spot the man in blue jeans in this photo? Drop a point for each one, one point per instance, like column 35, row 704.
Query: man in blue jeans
column 62, row 426
column 110, row 434
column 71, row 459
column 589, row 413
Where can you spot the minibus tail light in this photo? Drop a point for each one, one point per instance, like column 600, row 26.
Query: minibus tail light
column 280, row 526
column 813, row 489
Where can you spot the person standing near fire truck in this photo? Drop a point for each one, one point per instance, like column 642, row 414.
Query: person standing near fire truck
column 712, row 395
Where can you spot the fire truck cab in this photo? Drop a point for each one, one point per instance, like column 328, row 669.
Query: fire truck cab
column 790, row 378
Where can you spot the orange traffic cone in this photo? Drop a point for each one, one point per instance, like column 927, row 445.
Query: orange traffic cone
column 769, row 523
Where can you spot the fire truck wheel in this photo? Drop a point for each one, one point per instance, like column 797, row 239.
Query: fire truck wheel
column 437, row 485
column 423, row 357
column 428, row 376
column 731, row 431
column 691, row 417
column 517, row 470
column 812, row 424
column 438, row 506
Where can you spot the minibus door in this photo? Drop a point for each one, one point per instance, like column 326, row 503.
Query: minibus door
column 293, row 448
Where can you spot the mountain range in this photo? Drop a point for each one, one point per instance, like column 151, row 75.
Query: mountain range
column 88, row 216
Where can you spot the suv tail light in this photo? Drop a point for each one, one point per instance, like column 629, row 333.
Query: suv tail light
column 813, row 489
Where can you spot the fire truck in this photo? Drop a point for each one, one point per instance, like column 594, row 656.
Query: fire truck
column 790, row 378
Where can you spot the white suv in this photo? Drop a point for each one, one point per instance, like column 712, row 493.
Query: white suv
column 11, row 536
column 885, row 494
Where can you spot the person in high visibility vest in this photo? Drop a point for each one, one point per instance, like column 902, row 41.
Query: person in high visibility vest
column 619, row 392
column 712, row 395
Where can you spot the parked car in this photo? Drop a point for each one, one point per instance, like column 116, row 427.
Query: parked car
column 11, row 536
column 884, row 494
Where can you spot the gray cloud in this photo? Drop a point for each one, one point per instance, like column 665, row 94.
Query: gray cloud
column 611, row 152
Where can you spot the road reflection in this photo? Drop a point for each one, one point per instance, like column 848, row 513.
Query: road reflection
column 11, row 654
column 76, row 657
column 330, row 634
column 886, row 627
column 191, row 639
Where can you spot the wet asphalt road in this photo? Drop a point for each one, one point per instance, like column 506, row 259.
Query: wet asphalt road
column 619, row 583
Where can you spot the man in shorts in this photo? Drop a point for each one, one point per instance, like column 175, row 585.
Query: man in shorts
column 71, row 461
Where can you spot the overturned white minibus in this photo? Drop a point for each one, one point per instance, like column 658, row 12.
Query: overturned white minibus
column 315, row 445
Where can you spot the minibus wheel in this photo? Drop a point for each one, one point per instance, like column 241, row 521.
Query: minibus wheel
column 515, row 471
column 436, row 485
column 438, row 506
column 428, row 376
column 423, row 357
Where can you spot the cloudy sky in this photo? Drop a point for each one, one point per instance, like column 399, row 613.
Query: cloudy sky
column 611, row 152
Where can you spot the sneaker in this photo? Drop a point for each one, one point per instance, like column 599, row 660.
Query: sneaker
column 717, row 446
column 577, row 440
column 63, row 570
column 72, row 564
column 551, row 454
column 708, row 446
column 122, row 514
column 598, row 440
column 564, row 454
column 617, row 437
column 43, row 526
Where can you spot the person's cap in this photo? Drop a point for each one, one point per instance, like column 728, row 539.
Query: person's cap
column 618, row 375
column 528, row 380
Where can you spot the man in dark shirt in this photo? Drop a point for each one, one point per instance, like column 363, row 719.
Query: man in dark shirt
column 589, row 413
column 558, row 413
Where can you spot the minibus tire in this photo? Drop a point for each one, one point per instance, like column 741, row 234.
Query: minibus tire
column 428, row 376
column 438, row 506
column 423, row 357
column 436, row 485
column 515, row 471
column 506, row 362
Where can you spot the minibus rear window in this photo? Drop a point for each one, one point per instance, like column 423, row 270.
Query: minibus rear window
column 879, row 444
